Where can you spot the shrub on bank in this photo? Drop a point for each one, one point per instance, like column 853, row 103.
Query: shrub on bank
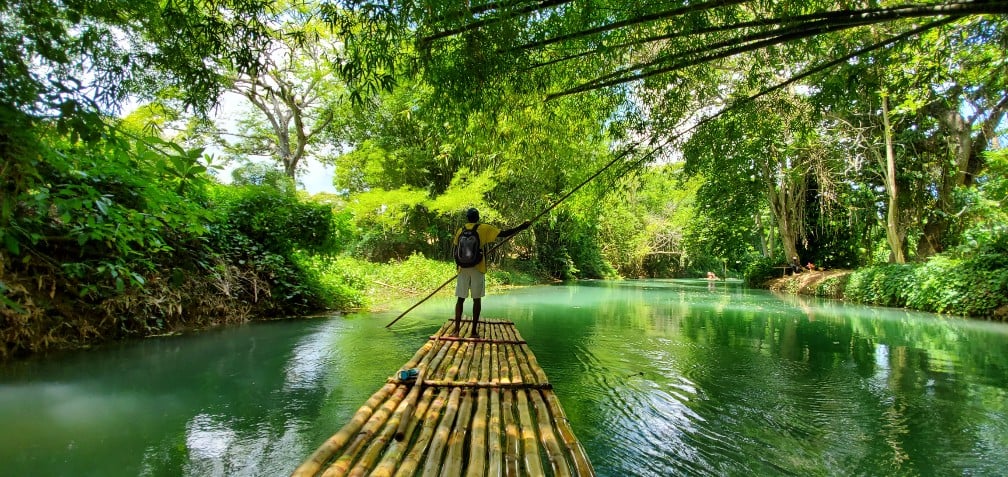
column 883, row 285
column 970, row 281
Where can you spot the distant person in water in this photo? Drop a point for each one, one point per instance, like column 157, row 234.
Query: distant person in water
column 711, row 276
column 469, row 248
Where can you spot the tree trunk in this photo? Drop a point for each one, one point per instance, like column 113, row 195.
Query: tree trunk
column 787, row 206
column 766, row 243
column 895, row 233
column 967, row 148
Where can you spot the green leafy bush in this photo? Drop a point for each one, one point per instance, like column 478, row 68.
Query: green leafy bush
column 761, row 270
column 971, row 280
column 884, row 285
column 276, row 219
column 341, row 282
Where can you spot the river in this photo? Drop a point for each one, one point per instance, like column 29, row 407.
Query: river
column 658, row 378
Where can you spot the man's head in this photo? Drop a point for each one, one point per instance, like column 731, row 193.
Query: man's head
column 472, row 215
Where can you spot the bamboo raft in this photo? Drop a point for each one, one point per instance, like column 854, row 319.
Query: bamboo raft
column 478, row 407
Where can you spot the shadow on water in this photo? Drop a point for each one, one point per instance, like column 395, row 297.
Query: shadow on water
column 662, row 377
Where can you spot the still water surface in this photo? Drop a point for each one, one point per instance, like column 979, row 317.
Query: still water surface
column 658, row 378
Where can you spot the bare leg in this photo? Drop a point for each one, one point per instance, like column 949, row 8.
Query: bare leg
column 477, row 305
column 458, row 315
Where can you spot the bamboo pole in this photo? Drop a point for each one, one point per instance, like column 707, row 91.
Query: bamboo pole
column 427, row 367
column 504, row 368
column 430, row 422
column 478, row 435
column 484, row 374
column 476, row 371
column 451, row 355
column 530, row 447
column 494, row 364
column 397, row 450
column 317, row 459
column 513, row 365
column 524, row 366
column 454, row 459
column 512, row 442
column 449, row 362
column 435, row 453
column 442, row 383
column 554, row 453
column 404, row 432
column 517, row 365
column 381, row 439
column 577, row 453
column 472, row 377
column 494, row 447
column 460, row 359
column 342, row 465
column 424, row 299
column 409, row 404
column 419, row 355
column 465, row 368
column 475, row 340
column 533, row 362
column 528, row 375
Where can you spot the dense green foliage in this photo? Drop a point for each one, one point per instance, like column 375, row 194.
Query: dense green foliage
column 970, row 281
column 808, row 134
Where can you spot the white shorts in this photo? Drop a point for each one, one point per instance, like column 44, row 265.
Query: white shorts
column 470, row 280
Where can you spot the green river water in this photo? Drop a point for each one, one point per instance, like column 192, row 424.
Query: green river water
column 658, row 378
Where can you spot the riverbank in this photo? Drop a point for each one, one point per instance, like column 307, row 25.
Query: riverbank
column 914, row 287
column 50, row 317
column 824, row 283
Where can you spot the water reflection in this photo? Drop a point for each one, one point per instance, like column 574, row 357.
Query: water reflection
column 658, row 378
column 779, row 385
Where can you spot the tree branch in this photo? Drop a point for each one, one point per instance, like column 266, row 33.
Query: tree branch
column 425, row 42
column 597, row 84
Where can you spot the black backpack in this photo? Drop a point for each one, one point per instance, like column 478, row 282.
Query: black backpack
column 468, row 252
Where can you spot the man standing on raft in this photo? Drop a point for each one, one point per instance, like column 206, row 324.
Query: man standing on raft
column 469, row 249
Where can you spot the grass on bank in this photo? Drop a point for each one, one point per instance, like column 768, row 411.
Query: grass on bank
column 347, row 283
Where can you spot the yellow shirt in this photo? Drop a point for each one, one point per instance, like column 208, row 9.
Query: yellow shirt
column 487, row 234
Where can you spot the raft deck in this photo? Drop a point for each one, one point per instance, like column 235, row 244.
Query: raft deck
column 479, row 406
